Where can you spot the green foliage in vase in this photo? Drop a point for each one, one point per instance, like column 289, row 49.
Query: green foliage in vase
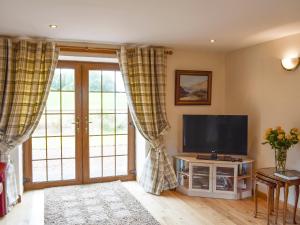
column 279, row 139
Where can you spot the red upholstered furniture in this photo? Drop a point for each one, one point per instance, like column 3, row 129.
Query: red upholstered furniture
column 2, row 189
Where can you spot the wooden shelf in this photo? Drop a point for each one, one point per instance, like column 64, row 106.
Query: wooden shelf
column 243, row 190
column 193, row 159
column 200, row 175
column 203, row 187
column 244, row 176
column 224, row 175
column 184, row 173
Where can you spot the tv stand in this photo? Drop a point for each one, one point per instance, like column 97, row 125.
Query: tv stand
column 221, row 178
column 226, row 158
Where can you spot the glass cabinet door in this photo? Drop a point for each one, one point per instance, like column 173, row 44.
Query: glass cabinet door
column 225, row 178
column 183, row 177
column 201, row 177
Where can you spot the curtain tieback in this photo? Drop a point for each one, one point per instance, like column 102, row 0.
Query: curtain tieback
column 5, row 147
column 157, row 145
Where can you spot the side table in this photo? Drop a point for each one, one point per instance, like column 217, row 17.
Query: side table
column 281, row 182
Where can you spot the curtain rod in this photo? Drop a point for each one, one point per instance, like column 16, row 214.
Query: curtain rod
column 65, row 48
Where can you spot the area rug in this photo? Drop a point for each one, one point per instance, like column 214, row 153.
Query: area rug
column 95, row 204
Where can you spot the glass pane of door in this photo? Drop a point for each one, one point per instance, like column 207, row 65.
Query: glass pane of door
column 225, row 178
column 107, row 124
column 83, row 134
column 54, row 141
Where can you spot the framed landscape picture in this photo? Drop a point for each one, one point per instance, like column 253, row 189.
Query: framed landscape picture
column 193, row 87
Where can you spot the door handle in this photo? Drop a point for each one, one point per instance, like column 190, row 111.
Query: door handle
column 77, row 123
column 87, row 124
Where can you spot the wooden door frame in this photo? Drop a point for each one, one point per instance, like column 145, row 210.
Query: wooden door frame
column 82, row 157
column 27, row 151
column 131, row 131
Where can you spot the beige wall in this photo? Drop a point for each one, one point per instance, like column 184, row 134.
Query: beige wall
column 192, row 60
column 257, row 85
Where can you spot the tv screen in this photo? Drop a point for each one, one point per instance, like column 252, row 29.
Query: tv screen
column 224, row 134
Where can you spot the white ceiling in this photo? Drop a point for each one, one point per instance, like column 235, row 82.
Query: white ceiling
column 173, row 23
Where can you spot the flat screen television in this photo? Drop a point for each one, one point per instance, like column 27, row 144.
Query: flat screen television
column 223, row 134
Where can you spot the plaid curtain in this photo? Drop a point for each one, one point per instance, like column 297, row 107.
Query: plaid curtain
column 26, row 72
column 144, row 71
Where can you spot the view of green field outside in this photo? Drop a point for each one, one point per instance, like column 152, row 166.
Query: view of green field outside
column 53, row 142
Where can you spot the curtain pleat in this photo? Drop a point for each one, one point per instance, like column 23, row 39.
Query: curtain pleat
column 26, row 72
column 144, row 72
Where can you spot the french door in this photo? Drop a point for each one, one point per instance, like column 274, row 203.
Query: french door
column 83, row 135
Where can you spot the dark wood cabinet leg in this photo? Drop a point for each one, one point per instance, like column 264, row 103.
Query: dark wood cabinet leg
column 296, row 202
column 255, row 200
column 272, row 200
column 269, row 200
column 286, row 195
column 277, row 202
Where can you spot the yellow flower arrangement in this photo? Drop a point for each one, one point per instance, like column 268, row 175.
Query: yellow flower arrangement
column 281, row 141
column 280, row 137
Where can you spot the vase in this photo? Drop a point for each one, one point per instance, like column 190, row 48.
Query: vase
column 280, row 159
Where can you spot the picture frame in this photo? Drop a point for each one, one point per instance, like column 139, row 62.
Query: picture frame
column 193, row 87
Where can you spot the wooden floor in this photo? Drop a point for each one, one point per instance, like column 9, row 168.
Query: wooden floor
column 171, row 208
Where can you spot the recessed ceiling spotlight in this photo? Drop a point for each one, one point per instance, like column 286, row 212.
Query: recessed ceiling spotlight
column 212, row 40
column 53, row 26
